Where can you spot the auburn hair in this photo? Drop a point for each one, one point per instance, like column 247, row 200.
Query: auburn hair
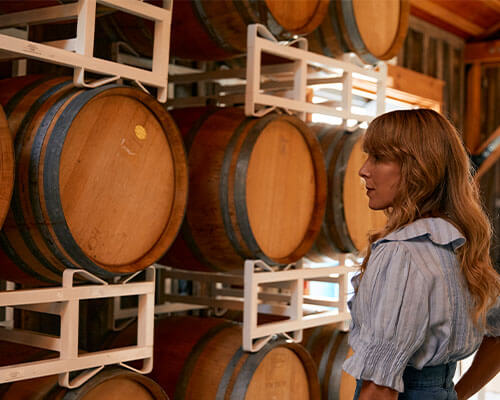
column 436, row 181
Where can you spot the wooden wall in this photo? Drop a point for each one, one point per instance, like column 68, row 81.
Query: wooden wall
column 440, row 54
column 437, row 53
column 490, row 120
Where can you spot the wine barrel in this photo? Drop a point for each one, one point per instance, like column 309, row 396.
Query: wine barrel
column 101, row 180
column 257, row 190
column 348, row 219
column 329, row 349
column 327, row 39
column 215, row 30
column 6, row 166
column 374, row 30
column 202, row 359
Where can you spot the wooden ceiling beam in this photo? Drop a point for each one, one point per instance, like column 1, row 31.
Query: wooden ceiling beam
column 482, row 52
column 409, row 87
column 493, row 4
column 437, row 11
column 489, row 32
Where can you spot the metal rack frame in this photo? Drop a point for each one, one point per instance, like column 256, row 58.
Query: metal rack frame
column 64, row 301
column 260, row 40
column 255, row 84
column 252, row 295
column 78, row 52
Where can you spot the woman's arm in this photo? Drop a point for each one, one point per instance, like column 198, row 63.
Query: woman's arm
column 372, row 391
column 484, row 367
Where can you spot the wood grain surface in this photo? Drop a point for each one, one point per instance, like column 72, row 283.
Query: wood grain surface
column 378, row 23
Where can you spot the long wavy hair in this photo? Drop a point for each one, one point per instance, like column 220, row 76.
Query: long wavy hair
column 436, row 181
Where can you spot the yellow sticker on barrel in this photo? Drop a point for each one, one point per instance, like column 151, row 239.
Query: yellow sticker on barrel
column 140, row 132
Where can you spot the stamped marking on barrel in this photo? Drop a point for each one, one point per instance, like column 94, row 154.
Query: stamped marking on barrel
column 276, row 390
column 126, row 148
column 140, row 132
column 284, row 144
column 276, row 387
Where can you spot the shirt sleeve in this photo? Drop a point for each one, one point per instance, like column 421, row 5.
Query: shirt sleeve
column 493, row 320
column 395, row 317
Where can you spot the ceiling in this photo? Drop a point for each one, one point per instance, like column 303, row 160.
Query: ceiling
column 473, row 20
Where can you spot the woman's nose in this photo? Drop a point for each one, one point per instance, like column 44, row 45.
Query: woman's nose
column 363, row 171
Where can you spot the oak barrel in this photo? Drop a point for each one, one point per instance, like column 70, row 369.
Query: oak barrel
column 257, row 190
column 214, row 30
column 101, row 180
column 374, row 30
column 329, row 349
column 202, row 359
column 348, row 219
column 6, row 166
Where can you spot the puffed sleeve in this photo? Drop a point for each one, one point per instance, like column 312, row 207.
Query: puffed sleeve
column 493, row 320
column 394, row 316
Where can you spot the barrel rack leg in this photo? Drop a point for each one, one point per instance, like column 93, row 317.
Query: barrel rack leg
column 64, row 301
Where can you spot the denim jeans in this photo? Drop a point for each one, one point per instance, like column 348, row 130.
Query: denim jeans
column 429, row 383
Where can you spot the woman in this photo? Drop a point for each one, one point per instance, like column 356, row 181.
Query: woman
column 426, row 283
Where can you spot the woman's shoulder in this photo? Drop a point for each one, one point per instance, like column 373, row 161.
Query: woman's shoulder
column 425, row 248
column 493, row 320
column 437, row 231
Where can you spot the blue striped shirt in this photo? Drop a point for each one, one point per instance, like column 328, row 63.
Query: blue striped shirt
column 412, row 305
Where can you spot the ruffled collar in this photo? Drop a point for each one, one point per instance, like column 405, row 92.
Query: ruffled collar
column 437, row 230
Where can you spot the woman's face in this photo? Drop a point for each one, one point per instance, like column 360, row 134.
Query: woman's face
column 382, row 178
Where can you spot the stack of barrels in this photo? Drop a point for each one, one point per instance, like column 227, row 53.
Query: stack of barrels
column 107, row 180
column 216, row 30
